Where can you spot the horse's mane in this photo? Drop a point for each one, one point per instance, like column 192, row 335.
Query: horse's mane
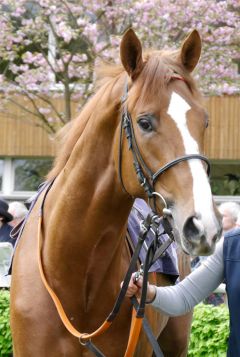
column 106, row 75
column 159, row 69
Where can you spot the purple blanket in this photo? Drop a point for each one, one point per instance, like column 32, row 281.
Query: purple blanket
column 166, row 264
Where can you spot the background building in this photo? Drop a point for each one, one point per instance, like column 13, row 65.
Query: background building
column 48, row 52
column 27, row 151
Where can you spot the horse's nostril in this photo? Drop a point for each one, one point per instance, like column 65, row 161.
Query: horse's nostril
column 215, row 238
column 192, row 228
column 217, row 235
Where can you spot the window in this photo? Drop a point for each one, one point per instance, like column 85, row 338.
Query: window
column 225, row 177
column 20, row 177
column 29, row 173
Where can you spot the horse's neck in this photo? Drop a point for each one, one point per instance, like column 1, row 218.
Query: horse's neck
column 86, row 211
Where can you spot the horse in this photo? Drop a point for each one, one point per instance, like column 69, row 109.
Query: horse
column 93, row 186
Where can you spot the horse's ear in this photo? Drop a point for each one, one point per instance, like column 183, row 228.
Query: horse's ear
column 191, row 50
column 131, row 53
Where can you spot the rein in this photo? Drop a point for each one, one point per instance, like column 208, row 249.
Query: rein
column 146, row 177
column 156, row 249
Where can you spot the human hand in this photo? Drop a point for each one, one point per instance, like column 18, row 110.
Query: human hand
column 135, row 288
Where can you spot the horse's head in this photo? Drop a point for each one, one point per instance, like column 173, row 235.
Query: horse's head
column 165, row 116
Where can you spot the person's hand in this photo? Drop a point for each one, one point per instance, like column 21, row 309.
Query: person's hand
column 135, row 288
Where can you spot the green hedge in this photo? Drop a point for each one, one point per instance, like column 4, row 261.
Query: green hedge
column 210, row 330
column 5, row 334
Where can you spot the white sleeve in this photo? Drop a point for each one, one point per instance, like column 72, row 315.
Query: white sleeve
column 181, row 298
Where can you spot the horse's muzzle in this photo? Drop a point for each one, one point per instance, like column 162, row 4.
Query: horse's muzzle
column 197, row 240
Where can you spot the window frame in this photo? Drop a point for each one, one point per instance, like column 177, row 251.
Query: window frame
column 7, row 190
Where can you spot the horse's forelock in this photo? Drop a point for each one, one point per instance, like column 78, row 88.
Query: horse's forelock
column 159, row 69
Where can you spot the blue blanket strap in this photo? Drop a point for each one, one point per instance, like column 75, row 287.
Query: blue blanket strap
column 16, row 232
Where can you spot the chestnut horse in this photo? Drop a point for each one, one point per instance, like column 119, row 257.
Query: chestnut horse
column 83, row 253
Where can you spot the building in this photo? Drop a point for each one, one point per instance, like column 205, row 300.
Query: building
column 27, row 151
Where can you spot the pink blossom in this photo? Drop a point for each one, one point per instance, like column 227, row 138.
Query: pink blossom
column 83, row 32
column 44, row 110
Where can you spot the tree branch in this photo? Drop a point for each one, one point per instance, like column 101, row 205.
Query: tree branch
column 53, row 107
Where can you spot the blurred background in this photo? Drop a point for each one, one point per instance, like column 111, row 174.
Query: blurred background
column 48, row 52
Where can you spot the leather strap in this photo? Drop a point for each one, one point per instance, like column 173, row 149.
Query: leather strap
column 136, row 325
column 94, row 349
column 85, row 338
column 57, row 302
column 137, row 317
column 148, row 331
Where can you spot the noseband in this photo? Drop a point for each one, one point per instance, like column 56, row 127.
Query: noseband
column 146, row 177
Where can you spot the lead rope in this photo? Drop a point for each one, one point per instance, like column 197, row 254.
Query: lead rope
column 85, row 338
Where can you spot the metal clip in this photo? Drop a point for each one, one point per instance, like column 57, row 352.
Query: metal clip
column 144, row 181
column 138, row 274
column 143, row 228
column 156, row 219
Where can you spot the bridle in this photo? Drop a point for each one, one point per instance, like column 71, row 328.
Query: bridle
column 146, row 177
column 155, row 250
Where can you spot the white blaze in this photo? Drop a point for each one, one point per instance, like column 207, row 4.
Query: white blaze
column 202, row 196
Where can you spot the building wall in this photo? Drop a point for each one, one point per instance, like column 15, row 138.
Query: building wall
column 222, row 135
column 20, row 137
column 26, row 150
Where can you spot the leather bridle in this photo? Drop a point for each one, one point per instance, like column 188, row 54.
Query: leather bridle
column 146, row 177
column 155, row 250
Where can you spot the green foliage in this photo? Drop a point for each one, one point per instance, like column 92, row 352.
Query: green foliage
column 5, row 334
column 210, row 330
column 232, row 182
column 30, row 172
column 228, row 184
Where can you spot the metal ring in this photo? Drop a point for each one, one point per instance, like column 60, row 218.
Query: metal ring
column 167, row 212
column 82, row 341
column 160, row 196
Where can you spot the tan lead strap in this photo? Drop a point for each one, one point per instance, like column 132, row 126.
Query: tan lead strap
column 58, row 305
column 136, row 325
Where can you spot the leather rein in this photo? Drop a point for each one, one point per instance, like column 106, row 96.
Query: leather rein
column 155, row 250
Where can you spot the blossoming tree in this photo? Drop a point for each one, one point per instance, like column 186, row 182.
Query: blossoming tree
column 48, row 48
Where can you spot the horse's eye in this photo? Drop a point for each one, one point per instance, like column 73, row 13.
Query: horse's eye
column 145, row 124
